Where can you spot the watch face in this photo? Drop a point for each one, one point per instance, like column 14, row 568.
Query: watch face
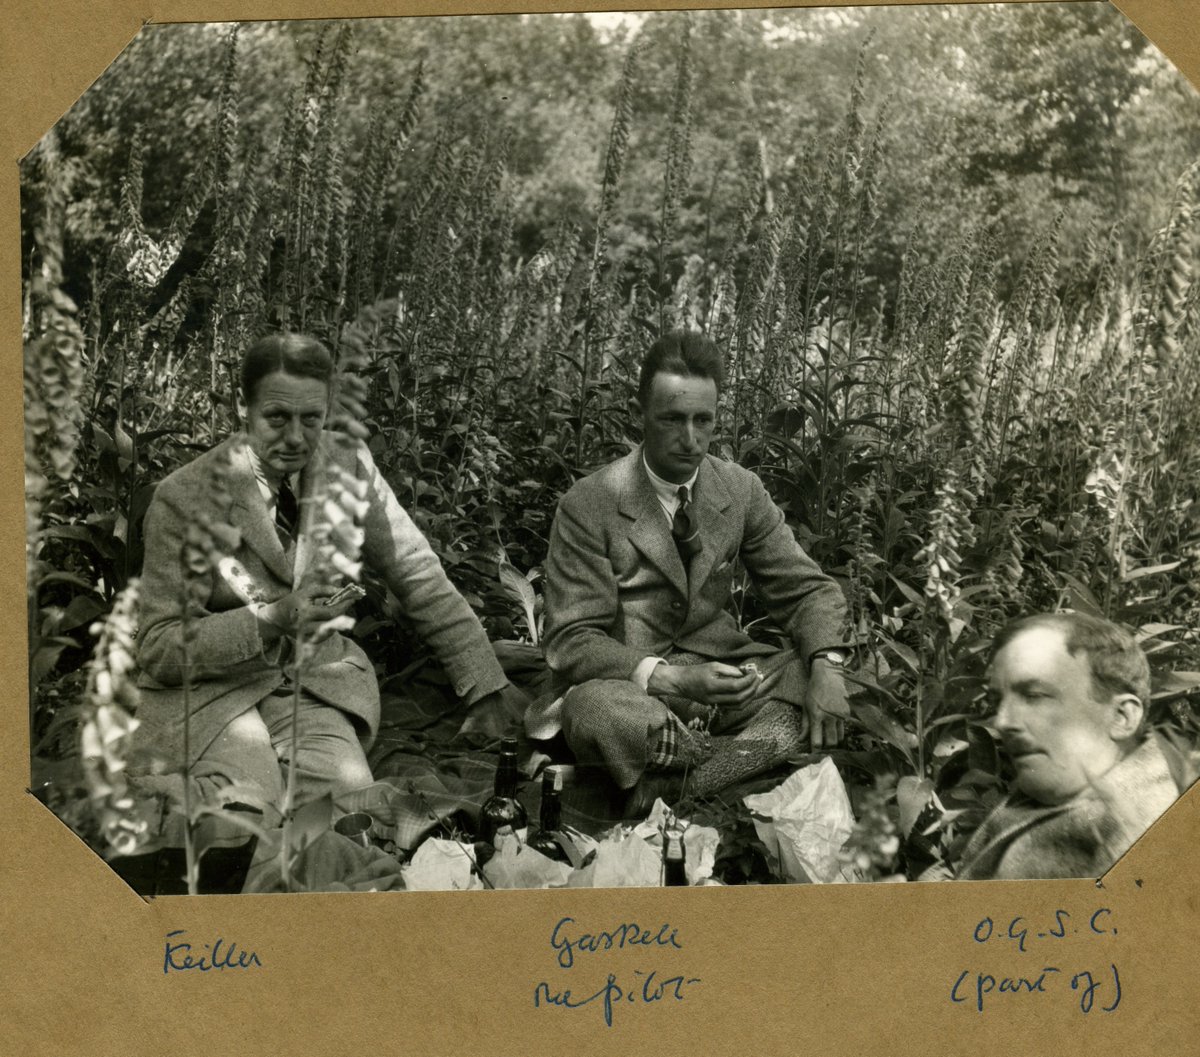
column 833, row 657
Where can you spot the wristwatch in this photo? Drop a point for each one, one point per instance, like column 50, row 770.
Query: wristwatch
column 835, row 657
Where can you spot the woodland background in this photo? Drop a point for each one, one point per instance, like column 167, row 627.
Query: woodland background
column 952, row 254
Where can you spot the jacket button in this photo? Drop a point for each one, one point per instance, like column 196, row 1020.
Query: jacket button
column 676, row 605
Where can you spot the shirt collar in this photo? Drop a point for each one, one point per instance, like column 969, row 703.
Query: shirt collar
column 668, row 491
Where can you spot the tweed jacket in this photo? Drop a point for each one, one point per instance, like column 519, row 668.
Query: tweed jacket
column 1086, row 835
column 617, row 591
column 231, row 670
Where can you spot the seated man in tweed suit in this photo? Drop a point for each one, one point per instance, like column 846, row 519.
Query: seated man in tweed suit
column 1071, row 693
column 638, row 586
column 235, row 653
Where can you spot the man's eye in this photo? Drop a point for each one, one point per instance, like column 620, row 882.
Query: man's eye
column 312, row 420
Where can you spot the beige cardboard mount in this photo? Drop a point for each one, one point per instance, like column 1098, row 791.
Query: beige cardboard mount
column 781, row 971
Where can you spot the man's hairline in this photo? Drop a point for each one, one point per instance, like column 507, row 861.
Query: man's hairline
column 1094, row 685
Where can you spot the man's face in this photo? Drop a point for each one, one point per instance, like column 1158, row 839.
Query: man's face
column 1060, row 737
column 678, row 418
column 285, row 420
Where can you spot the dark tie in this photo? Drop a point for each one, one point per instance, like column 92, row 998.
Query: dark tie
column 687, row 536
column 287, row 509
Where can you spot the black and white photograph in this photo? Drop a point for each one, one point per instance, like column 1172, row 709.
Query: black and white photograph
column 667, row 448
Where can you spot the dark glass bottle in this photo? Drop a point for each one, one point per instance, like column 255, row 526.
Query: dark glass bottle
column 502, row 809
column 546, row 839
column 674, row 871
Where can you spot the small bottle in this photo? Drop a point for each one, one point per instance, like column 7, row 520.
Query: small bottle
column 546, row 838
column 674, row 870
column 502, row 810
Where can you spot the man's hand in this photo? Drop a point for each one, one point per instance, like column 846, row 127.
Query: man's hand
column 712, row 683
column 303, row 607
column 826, row 704
column 497, row 713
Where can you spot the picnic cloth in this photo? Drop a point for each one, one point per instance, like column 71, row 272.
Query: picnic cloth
column 427, row 779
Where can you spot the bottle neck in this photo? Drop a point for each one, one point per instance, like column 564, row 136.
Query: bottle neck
column 551, row 814
column 506, row 775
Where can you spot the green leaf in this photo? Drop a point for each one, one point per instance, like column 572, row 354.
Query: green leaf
column 520, row 591
column 885, row 728
column 912, row 794
column 1149, row 570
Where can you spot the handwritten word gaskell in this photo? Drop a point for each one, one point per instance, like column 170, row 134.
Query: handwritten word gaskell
column 643, row 988
column 629, row 934
column 179, row 956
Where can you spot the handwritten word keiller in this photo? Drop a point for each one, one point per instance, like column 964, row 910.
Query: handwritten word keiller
column 178, row 956
column 628, row 934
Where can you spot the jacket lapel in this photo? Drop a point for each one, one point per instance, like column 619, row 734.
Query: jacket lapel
column 258, row 531
column 716, row 532
column 310, row 493
column 650, row 533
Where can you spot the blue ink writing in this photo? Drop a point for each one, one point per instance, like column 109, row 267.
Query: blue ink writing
column 1087, row 986
column 985, row 984
column 610, row 993
column 629, row 934
column 179, row 957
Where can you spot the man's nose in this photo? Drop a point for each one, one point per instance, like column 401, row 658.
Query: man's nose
column 689, row 434
column 294, row 433
column 1006, row 716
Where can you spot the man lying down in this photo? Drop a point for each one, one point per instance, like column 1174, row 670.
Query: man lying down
column 1071, row 694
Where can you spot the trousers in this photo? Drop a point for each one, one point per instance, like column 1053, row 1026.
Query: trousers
column 256, row 747
column 615, row 725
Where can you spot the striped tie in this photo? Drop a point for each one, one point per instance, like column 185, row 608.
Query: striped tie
column 287, row 509
column 687, row 536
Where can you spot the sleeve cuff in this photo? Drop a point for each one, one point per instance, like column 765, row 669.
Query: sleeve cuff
column 641, row 674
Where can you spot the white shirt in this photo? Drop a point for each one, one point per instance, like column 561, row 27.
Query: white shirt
column 268, row 488
column 668, row 498
column 668, row 491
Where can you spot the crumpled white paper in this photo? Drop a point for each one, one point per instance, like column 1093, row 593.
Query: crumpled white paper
column 516, row 865
column 699, row 842
column 441, row 866
column 620, row 862
column 809, row 819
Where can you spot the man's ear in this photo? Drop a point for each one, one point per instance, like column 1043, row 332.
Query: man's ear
column 240, row 403
column 1128, row 712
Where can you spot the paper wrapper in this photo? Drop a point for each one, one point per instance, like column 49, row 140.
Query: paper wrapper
column 699, row 842
column 516, row 865
column 441, row 866
column 808, row 821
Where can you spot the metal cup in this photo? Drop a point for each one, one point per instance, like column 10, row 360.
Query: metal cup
column 357, row 827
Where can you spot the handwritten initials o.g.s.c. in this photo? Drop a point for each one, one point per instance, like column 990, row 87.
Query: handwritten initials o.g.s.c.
column 1097, row 925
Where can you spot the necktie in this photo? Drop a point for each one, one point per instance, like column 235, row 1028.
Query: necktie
column 287, row 509
column 687, row 536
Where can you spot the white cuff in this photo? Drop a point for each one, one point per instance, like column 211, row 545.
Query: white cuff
column 641, row 674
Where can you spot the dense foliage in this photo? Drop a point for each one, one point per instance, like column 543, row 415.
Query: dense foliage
column 963, row 322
